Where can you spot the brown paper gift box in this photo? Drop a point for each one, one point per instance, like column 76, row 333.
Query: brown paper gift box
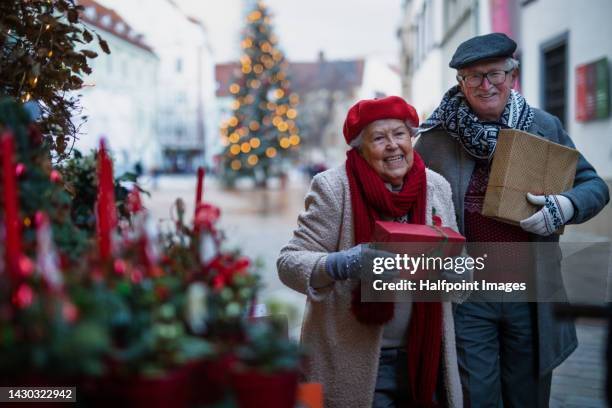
column 524, row 163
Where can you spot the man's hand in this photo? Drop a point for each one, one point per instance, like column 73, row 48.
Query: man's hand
column 557, row 210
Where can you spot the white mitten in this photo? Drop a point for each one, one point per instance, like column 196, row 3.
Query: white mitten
column 557, row 210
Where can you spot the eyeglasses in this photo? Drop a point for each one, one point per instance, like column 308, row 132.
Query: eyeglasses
column 494, row 78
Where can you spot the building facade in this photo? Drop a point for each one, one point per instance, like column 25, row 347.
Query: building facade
column 119, row 98
column 185, row 81
column 566, row 63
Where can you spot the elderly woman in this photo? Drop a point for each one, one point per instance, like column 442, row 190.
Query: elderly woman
column 371, row 354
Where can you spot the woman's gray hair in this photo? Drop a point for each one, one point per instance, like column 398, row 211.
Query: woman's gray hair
column 356, row 142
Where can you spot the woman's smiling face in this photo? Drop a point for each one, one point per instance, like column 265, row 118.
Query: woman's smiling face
column 387, row 147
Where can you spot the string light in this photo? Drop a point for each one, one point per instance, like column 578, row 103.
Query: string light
column 236, row 165
column 255, row 15
column 233, row 121
column 234, row 88
column 283, row 127
column 255, row 142
column 270, row 152
column 235, row 150
column 291, row 113
column 284, row 142
column 294, row 140
column 254, row 125
column 245, row 147
column 234, row 137
column 252, row 160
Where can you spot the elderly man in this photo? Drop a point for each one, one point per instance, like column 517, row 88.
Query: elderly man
column 506, row 351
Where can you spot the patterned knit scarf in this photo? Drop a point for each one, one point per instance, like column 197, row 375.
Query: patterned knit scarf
column 477, row 138
column 370, row 199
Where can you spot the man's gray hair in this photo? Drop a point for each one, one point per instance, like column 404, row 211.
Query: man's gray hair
column 356, row 142
column 511, row 64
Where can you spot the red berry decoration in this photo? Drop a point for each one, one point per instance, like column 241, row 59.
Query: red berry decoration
column 55, row 177
column 20, row 169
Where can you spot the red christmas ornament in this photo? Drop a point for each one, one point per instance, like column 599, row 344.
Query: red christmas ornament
column 119, row 266
column 136, row 276
column 26, row 266
column 105, row 205
column 70, row 313
column 23, row 296
column 20, row 169
column 55, row 176
column 12, row 253
column 206, row 216
column 134, row 202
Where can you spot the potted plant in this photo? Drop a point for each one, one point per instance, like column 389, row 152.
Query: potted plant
column 266, row 373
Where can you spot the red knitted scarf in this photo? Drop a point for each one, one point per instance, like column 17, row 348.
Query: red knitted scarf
column 371, row 200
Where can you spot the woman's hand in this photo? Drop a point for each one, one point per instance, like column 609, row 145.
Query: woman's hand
column 356, row 262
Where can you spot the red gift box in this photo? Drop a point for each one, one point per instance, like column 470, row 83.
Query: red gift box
column 417, row 239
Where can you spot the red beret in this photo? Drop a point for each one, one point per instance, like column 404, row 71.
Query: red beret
column 367, row 111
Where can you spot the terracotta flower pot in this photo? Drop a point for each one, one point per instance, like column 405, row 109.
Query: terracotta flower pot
column 255, row 389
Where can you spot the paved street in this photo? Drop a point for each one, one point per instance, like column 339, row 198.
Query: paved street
column 261, row 229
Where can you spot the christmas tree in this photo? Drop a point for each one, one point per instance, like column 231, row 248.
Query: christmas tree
column 262, row 132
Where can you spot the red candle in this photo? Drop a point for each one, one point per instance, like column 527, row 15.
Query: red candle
column 200, row 187
column 105, row 205
column 12, row 223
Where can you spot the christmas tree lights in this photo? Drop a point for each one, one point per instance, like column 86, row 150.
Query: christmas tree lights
column 262, row 132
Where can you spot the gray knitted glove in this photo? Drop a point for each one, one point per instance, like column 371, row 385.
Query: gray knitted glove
column 355, row 262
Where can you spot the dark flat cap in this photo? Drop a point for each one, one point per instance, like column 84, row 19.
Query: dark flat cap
column 494, row 45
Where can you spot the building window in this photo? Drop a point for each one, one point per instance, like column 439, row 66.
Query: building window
column 554, row 72
column 454, row 13
column 423, row 33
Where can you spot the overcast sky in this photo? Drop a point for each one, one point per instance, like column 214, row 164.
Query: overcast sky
column 341, row 28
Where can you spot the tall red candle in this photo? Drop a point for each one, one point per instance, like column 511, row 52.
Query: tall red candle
column 105, row 206
column 200, row 186
column 12, row 223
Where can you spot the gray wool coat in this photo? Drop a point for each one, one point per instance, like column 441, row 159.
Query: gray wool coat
column 442, row 153
column 344, row 353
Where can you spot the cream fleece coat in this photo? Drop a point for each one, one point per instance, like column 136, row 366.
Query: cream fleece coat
column 343, row 352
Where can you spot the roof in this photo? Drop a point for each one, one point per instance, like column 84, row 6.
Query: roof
column 109, row 20
column 305, row 77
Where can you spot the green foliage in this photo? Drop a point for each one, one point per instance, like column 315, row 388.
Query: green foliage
column 81, row 180
column 40, row 61
column 267, row 350
column 37, row 190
